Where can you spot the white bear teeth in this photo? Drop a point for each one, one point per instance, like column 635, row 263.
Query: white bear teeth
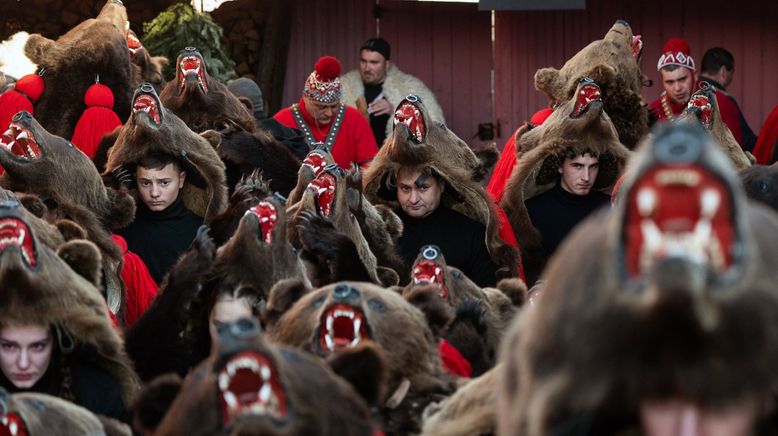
column 17, row 133
column 264, row 400
column 329, row 336
column 12, row 427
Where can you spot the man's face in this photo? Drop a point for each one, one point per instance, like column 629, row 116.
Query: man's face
column 678, row 84
column 159, row 188
column 323, row 113
column 579, row 174
column 418, row 198
column 227, row 309
column 372, row 67
column 25, row 353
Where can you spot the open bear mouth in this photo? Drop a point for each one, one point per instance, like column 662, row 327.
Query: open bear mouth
column 342, row 326
column 15, row 233
column 637, row 47
column 588, row 94
column 410, row 116
column 267, row 214
column 248, row 384
column 324, row 187
column 133, row 44
column 20, row 141
column 679, row 211
column 12, row 424
column 316, row 162
column 148, row 104
column 191, row 68
column 703, row 109
column 429, row 272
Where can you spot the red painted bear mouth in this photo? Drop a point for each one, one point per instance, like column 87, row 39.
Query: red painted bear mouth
column 20, row 141
column 427, row 272
column 324, row 187
column 682, row 211
column 12, row 424
column 587, row 95
column 191, row 68
column 410, row 116
column 316, row 162
column 703, row 110
column 15, row 233
column 267, row 214
column 147, row 104
column 342, row 326
column 248, row 384
column 133, row 44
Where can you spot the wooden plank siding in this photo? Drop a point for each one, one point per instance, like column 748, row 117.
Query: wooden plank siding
column 526, row 41
column 446, row 45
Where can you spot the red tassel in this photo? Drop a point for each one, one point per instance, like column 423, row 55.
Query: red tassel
column 140, row 287
column 97, row 120
column 26, row 91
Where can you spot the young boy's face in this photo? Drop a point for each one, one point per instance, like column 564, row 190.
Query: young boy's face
column 159, row 188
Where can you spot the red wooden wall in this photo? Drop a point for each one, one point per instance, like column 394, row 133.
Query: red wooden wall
column 446, row 45
column 526, row 41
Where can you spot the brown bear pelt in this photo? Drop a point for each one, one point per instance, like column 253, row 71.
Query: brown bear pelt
column 613, row 62
column 245, row 151
column 33, row 413
column 39, row 287
column 292, row 393
column 201, row 101
column 407, row 328
column 579, row 125
column 703, row 107
column 148, row 68
column 72, row 63
column 417, row 142
column 761, row 184
column 153, row 129
column 628, row 316
column 248, row 191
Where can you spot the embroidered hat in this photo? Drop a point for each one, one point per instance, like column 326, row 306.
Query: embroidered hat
column 323, row 85
column 676, row 52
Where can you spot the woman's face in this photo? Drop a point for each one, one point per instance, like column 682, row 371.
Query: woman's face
column 228, row 309
column 25, row 353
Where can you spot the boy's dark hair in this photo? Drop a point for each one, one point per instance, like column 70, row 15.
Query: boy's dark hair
column 157, row 161
column 570, row 153
column 714, row 58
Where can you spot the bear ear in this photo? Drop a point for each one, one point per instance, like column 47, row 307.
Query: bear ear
column 153, row 401
column 545, row 80
column 438, row 313
column 605, row 76
column 246, row 102
column 364, row 367
column 213, row 137
column 83, row 257
column 40, row 49
column 515, row 289
column 33, row 204
column 394, row 225
column 488, row 156
column 70, row 230
column 122, row 211
column 281, row 298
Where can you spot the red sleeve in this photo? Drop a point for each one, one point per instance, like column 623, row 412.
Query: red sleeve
column 730, row 116
column 453, row 360
column 763, row 150
column 364, row 141
column 503, row 169
column 284, row 116
column 140, row 288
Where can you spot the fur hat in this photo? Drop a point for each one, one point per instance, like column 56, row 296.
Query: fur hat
column 676, row 52
column 323, row 85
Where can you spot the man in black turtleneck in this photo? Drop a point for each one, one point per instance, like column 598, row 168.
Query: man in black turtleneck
column 163, row 227
column 426, row 221
column 555, row 212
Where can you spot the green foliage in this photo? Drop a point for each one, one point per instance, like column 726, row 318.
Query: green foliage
column 181, row 26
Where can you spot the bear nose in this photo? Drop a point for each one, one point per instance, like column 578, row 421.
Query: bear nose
column 344, row 291
column 430, row 252
column 22, row 116
column 622, row 22
column 242, row 328
column 146, row 87
column 680, row 144
column 586, row 80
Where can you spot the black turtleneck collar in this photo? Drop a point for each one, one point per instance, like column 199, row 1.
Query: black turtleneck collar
column 176, row 210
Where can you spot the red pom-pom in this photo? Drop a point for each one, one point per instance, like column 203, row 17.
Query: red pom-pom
column 99, row 95
column 327, row 68
column 31, row 85
column 675, row 45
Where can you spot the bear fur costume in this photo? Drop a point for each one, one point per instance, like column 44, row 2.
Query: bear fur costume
column 33, row 413
column 149, row 67
column 337, row 197
column 50, row 167
column 39, row 286
column 703, row 107
column 71, row 64
column 488, row 311
column 761, row 184
column 580, row 124
column 291, row 392
column 152, row 128
column 629, row 314
column 417, row 142
column 342, row 315
column 614, row 63
column 310, row 168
